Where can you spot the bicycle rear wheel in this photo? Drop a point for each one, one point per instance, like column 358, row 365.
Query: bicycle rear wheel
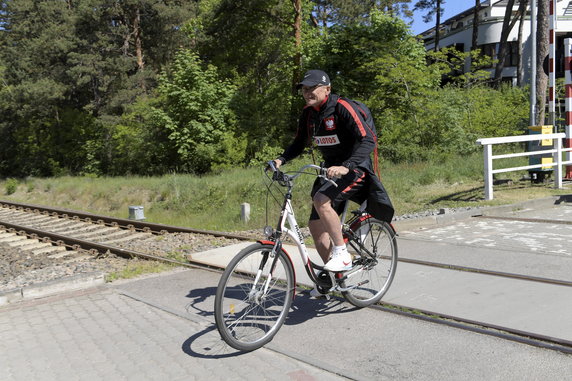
column 253, row 297
column 371, row 275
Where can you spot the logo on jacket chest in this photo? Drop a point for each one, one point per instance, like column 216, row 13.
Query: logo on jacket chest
column 330, row 124
column 329, row 140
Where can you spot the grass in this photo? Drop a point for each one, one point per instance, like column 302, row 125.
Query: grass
column 137, row 268
column 213, row 201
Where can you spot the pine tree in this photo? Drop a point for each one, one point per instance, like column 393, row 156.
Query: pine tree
column 434, row 8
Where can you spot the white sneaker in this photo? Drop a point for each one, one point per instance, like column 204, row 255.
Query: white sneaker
column 341, row 261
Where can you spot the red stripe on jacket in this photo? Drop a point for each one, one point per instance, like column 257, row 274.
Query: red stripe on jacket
column 352, row 112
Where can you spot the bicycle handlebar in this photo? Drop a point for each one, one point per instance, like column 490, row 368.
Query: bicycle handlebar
column 280, row 176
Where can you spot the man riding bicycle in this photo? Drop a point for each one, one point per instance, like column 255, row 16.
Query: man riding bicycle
column 344, row 133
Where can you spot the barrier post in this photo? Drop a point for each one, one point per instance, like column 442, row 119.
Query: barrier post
column 551, row 66
column 568, row 102
column 558, row 169
column 488, row 155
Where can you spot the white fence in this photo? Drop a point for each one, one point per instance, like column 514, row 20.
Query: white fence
column 556, row 152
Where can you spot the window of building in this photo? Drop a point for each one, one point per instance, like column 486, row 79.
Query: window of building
column 489, row 50
column 511, row 58
column 492, row 50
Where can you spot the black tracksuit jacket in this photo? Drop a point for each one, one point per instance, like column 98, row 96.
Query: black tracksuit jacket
column 345, row 135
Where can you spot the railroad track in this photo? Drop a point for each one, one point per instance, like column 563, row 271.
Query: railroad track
column 45, row 244
column 94, row 234
column 97, row 233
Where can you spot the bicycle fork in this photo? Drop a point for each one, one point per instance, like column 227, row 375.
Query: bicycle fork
column 257, row 294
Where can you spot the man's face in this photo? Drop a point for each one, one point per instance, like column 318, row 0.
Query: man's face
column 315, row 95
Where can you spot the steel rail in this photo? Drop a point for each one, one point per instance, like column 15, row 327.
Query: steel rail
column 488, row 272
column 524, row 337
column 120, row 222
column 160, row 228
column 76, row 243
column 521, row 219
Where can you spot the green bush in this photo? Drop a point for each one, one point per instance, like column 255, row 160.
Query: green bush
column 11, row 186
column 450, row 120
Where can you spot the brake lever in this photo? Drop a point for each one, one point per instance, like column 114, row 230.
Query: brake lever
column 271, row 165
column 323, row 174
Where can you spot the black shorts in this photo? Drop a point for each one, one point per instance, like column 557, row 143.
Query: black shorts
column 348, row 186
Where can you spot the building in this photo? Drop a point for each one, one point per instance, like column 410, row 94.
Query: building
column 458, row 31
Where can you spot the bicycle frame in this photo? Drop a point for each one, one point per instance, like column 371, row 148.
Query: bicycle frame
column 263, row 290
column 287, row 224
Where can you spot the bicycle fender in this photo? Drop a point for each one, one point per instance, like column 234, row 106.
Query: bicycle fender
column 360, row 220
column 365, row 217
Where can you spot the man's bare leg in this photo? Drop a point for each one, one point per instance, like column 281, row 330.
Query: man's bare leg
column 321, row 239
column 327, row 229
column 329, row 217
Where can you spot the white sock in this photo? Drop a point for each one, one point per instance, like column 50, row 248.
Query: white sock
column 338, row 250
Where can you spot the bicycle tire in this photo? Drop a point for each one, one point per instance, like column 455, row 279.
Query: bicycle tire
column 247, row 317
column 371, row 278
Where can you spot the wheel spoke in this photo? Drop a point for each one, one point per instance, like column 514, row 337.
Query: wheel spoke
column 378, row 258
column 248, row 315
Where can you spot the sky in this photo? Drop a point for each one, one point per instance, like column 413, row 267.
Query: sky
column 452, row 8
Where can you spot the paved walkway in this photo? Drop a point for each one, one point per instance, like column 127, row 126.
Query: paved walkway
column 102, row 334
column 527, row 248
column 161, row 328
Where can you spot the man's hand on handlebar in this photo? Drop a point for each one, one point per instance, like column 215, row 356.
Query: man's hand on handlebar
column 273, row 165
column 336, row 172
column 286, row 180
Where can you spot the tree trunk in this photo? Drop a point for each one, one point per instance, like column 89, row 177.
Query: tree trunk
column 297, row 44
column 475, row 39
column 508, row 24
column 296, row 72
column 503, row 41
column 437, row 24
column 519, row 67
column 138, row 43
column 542, row 45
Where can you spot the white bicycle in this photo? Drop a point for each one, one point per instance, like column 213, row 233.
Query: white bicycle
column 256, row 290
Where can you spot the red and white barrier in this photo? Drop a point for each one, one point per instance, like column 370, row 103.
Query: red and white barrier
column 551, row 66
column 568, row 102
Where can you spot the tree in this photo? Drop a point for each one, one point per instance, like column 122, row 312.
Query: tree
column 519, row 66
column 261, row 45
column 390, row 76
column 475, row 35
column 194, row 110
column 508, row 23
column 542, row 45
column 33, row 102
column 434, row 8
column 395, row 7
column 72, row 61
column 346, row 12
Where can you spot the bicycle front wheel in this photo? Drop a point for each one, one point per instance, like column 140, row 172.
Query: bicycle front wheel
column 253, row 297
column 372, row 273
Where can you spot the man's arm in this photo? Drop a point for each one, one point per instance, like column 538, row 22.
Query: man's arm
column 299, row 143
column 365, row 138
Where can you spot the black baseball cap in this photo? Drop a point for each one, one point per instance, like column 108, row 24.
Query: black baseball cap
column 313, row 78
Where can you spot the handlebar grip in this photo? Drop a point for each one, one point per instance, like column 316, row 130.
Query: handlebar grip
column 271, row 165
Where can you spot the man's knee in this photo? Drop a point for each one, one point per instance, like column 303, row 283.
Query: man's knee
column 321, row 201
